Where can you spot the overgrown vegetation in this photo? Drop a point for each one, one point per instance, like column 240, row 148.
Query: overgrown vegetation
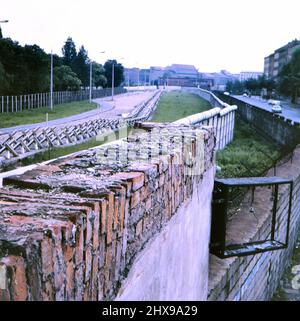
column 175, row 105
column 38, row 115
column 249, row 154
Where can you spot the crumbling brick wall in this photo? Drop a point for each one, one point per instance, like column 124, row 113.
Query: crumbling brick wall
column 70, row 230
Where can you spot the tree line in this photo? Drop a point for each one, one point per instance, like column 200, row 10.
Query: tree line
column 287, row 83
column 259, row 86
column 26, row 69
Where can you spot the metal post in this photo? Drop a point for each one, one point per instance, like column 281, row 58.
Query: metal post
column 51, row 83
column 91, row 71
column 112, row 81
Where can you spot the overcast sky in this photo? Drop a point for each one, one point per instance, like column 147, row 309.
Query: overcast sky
column 234, row 35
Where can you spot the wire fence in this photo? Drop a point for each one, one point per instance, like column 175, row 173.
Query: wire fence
column 12, row 104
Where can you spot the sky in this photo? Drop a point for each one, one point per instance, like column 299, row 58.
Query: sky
column 212, row 35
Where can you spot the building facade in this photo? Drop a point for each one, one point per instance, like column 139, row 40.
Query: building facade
column 245, row 75
column 274, row 62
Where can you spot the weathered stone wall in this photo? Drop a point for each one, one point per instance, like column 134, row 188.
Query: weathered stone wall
column 71, row 229
column 257, row 277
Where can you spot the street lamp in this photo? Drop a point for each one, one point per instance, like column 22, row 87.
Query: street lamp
column 2, row 21
column 113, row 79
column 91, row 77
column 51, row 82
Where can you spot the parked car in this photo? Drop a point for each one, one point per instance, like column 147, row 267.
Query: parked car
column 226, row 93
column 276, row 108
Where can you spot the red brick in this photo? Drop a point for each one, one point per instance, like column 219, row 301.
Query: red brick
column 135, row 199
column 109, row 220
column 104, row 210
column 137, row 178
column 18, row 284
column 139, row 228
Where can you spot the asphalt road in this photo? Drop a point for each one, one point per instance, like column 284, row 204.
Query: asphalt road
column 105, row 106
column 123, row 103
column 288, row 111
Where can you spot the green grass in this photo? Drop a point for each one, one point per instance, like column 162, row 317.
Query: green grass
column 175, row 105
column 38, row 115
column 249, row 154
column 61, row 151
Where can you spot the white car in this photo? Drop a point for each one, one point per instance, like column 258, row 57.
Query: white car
column 276, row 108
column 273, row 102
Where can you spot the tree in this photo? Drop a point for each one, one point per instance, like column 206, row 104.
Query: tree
column 235, row 87
column 118, row 73
column 289, row 77
column 99, row 80
column 65, row 79
column 81, row 66
column 4, row 80
column 38, row 64
column 69, row 52
column 252, row 85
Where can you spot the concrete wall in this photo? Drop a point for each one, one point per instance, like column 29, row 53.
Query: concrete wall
column 256, row 277
column 276, row 127
column 174, row 264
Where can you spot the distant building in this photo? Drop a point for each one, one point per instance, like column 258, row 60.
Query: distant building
column 174, row 75
column 144, row 77
column 180, row 75
column 245, row 75
column 131, row 76
column 217, row 80
column 274, row 62
column 155, row 74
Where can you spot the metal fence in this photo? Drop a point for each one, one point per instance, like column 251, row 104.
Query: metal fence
column 13, row 104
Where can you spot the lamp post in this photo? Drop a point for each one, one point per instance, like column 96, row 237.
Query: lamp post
column 51, row 82
column 91, row 75
column 113, row 79
column 91, row 78
column 2, row 21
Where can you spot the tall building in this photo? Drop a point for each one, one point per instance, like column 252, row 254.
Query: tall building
column 274, row 62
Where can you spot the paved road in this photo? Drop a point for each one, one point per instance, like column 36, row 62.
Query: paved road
column 105, row 106
column 288, row 111
column 106, row 109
